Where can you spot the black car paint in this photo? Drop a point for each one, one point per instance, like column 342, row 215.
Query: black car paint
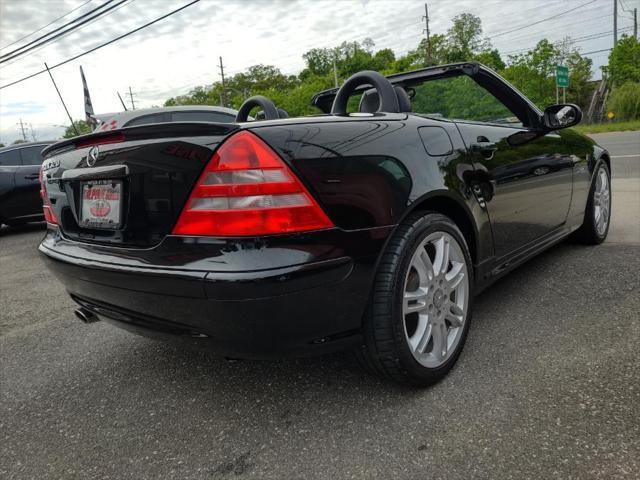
column 158, row 165
column 305, row 293
column 19, row 186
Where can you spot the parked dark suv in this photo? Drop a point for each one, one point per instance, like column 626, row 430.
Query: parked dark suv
column 19, row 186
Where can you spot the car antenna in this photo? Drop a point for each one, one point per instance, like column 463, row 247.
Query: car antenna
column 63, row 104
column 121, row 101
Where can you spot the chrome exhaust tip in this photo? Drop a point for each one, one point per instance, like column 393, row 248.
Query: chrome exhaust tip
column 86, row 316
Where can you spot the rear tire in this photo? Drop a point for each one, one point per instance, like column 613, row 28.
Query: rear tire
column 420, row 309
column 597, row 215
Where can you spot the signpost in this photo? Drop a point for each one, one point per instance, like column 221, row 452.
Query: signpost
column 562, row 80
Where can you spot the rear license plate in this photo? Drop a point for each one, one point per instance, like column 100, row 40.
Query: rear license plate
column 101, row 204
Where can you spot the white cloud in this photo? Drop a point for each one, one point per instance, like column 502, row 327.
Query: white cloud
column 182, row 51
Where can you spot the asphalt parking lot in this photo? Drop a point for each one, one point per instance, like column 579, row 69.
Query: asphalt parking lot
column 548, row 385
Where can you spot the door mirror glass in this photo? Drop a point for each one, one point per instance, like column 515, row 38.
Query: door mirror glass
column 561, row 116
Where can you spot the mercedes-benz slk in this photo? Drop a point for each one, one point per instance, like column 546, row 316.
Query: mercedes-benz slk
column 369, row 230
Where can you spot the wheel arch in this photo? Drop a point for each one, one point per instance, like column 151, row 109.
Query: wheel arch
column 446, row 203
column 598, row 155
column 604, row 157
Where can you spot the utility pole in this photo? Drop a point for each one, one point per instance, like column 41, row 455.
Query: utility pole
column 121, row 101
column 335, row 72
column 221, row 66
column 133, row 104
column 33, row 134
column 615, row 22
column 24, row 135
column 635, row 22
column 425, row 17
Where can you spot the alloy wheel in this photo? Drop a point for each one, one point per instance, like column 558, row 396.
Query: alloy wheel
column 601, row 202
column 435, row 299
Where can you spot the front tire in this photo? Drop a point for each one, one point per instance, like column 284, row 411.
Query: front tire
column 597, row 215
column 419, row 314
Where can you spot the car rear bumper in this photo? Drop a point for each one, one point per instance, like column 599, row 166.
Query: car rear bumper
column 292, row 309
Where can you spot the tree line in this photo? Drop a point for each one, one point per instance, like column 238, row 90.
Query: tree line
column 532, row 72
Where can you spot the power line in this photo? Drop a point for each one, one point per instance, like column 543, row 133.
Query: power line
column 586, row 38
column 101, row 18
column 41, row 37
column 624, row 7
column 598, row 51
column 42, row 28
column 38, row 43
column 288, row 64
column 541, row 21
column 562, row 27
column 101, row 45
column 334, row 44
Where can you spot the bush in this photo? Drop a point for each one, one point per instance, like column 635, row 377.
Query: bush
column 625, row 101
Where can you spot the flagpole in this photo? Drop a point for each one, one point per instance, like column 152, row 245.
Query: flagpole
column 73, row 125
column 122, row 101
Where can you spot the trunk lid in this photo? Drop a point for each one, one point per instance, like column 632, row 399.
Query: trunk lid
column 147, row 172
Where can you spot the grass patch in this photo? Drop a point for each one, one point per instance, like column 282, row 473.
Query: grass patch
column 609, row 127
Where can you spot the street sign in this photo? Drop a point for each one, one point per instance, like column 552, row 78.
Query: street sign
column 562, row 76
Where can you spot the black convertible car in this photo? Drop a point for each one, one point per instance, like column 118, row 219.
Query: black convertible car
column 369, row 230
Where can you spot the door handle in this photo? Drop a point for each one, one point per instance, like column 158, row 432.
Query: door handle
column 484, row 147
column 33, row 176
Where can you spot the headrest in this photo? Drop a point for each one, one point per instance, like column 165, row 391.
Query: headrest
column 370, row 102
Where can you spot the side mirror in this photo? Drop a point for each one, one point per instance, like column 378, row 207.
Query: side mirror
column 563, row 115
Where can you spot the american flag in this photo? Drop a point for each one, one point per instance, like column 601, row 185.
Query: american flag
column 88, row 107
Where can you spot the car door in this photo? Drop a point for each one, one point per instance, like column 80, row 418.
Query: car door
column 9, row 163
column 529, row 177
column 521, row 177
column 27, row 184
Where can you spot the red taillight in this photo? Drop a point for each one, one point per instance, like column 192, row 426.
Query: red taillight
column 246, row 189
column 49, row 216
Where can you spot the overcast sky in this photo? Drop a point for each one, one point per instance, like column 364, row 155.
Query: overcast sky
column 182, row 51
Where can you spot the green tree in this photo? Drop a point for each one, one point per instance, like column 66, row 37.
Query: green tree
column 383, row 60
column 533, row 73
column 1, row 145
column 319, row 60
column 82, row 127
column 261, row 77
column 18, row 141
column 624, row 61
column 580, row 88
column 464, row 38
column 625, row 101
column 491, row 58
column 434, row 52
